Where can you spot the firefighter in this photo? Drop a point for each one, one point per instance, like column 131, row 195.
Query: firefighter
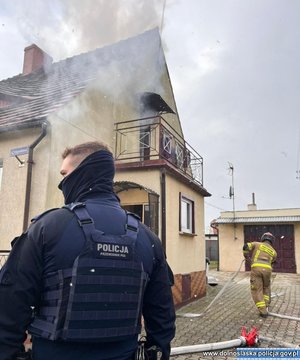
column 261, row 255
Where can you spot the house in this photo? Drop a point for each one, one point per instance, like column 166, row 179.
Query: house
column 239, row 227
column 121, row 95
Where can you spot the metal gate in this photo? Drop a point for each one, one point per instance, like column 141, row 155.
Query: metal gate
column 284, row 244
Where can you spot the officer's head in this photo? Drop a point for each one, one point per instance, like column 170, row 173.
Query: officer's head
column 87, row 169
column 268, row 237
column 73, row 156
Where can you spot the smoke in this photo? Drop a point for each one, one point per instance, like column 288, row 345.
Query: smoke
column 103, row 44
column 66, row 27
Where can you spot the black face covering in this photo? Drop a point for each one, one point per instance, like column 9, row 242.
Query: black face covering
column 93, row 175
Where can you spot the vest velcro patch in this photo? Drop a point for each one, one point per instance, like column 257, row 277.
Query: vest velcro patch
column 107, row 250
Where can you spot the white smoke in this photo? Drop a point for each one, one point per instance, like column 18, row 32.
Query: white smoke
column 64, row 28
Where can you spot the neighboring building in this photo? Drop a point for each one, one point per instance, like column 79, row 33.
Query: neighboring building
column 212, row 247
column 239, row 227
column 121, row 95
column 212, row 242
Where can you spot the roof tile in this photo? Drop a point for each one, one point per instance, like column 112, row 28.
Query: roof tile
column 42, row 92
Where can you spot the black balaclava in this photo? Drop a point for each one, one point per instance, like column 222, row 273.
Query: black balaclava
column 93, row 175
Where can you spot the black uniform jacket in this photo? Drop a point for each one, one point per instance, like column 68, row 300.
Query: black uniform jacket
column 51, row 243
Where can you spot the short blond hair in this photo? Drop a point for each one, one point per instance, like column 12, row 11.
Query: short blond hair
column 84, row 149
column 81, row 151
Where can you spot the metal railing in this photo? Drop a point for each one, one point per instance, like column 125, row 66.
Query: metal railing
column 153, row 138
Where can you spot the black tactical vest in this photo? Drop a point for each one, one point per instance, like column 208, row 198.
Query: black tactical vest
column 100, row 297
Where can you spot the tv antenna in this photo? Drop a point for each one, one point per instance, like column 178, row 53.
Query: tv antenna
column 231, row 196
column 231, row 188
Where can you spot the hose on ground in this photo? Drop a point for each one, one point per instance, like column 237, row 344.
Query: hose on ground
column 216, row 297
column 192, row 349
column 284, row 316
column 278, row 342
column 230, row 343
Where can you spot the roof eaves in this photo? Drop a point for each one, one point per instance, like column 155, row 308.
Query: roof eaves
column 263, row 219
column 23, row 125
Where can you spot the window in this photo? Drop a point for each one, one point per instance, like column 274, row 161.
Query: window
column 186, row 221
column 148, row 213
column 136, row 209
column 1, row 171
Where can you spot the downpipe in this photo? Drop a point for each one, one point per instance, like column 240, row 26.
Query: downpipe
column 29, row 173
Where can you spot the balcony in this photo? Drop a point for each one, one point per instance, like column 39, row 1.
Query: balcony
column 152, row 140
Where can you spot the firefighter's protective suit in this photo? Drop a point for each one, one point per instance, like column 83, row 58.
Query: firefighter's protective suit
column 261, row 255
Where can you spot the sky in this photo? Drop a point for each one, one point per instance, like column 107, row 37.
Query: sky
column 235, row 71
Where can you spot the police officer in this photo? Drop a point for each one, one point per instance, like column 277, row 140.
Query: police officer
column 80, row 278
column 261, row 255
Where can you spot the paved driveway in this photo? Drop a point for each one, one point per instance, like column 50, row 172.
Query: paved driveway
column 234, row 309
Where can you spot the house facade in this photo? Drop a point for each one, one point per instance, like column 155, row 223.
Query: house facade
column 239, row 227
column 120, row 95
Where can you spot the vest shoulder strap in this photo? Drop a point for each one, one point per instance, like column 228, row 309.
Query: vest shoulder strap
column 86, row 222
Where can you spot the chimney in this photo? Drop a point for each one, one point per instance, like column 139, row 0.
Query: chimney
column 34, row 59
column 253, row 205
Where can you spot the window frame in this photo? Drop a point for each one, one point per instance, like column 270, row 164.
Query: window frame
column 189, row 227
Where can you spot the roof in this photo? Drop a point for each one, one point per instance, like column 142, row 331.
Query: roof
column 258, row 219
column 34, row 96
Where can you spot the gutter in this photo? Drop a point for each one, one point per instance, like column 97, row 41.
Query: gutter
column 29, row 173
column 163, row 207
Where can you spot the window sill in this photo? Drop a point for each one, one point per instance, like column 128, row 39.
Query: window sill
column 187, row 234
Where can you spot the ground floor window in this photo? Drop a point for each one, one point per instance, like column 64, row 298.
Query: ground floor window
column 186, row 218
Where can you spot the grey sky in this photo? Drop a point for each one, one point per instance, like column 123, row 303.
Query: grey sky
column 234, row 66
column 242, row 104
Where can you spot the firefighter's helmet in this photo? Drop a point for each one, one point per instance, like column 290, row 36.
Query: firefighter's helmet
column 268, row 237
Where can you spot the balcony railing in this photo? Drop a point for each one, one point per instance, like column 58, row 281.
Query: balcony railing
column 148, row 139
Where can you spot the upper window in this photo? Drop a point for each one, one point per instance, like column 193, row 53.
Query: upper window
column 187, row 223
